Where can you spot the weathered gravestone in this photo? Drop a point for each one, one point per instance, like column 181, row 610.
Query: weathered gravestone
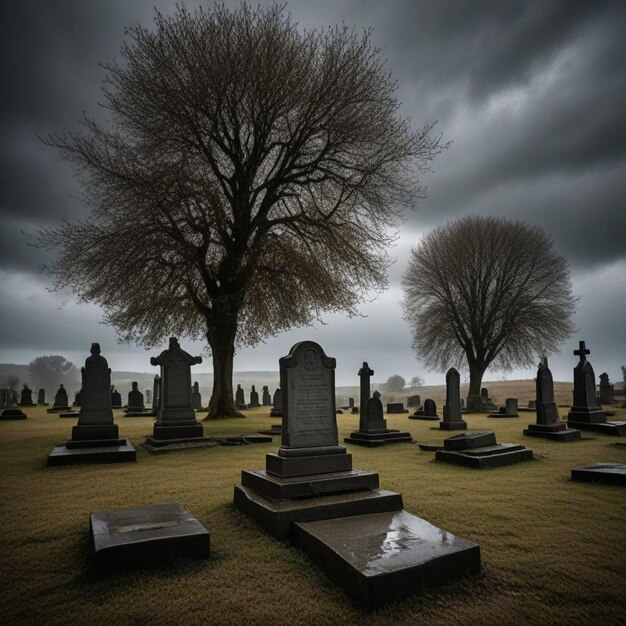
column 277, row 404
column 254, row 397
column 486, row 401
column 396, row 407
column 373, row 429
column 76, row 399
column 310, row 492
column 95, row 439
column 116, row 398
column 427, row 412
column 7, row 409
column 604, row 473
column 148, row 395
column 267, row 398
column 41, row 397
column 452, row 419
column 549, row 425
column 240, row 400
column 60, row 401
column 606, row 390
column 135, row 407
column 156, row 395
column 196, row 397
column 508, row 410
column 176, row 427
column 414, row 402
column 26, row 398
column 6, row 398
column 586, row 413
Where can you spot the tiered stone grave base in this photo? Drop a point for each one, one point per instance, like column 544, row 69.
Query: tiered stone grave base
column 357, row 533
column 555, row 432
column 176, row 436
column 376, row 438
column 274, row 430
column 479, row 449
column 456, row 425
column 502, row 413
column 148, row 534
column 605, row 473
column 596, row 423
column 12, row 414
column 419, row 415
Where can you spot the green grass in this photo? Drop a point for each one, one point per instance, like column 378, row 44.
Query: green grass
column 553, row 551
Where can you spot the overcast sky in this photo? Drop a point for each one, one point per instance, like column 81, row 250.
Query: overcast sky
column 532, row 94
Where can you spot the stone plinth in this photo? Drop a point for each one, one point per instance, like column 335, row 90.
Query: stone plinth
column 12, row 414
column 125, row 537
column 478, row 449
column 509, row 410
column 396, row 407
column 452, row 419
column 277, row 404
column 64, row 455
column 382, row 557
column 604, row 473
column 555, row 432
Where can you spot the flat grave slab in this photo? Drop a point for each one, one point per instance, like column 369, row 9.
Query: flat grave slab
column 62, row 455
column 488, row 457
column 604, row 473
column 177, row 446
column 12, row 414
column 376, row 439
column 554, row 434
column 380, row 557
column 615, row 428
column 123, row 537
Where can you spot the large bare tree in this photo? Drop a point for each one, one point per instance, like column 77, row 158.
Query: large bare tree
column 249, row 180
column 486, row 291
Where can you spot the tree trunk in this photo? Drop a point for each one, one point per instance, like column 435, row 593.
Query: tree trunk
column 221, row 338
column 476, row 371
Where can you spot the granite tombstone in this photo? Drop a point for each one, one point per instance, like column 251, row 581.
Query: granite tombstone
column 452, row 419
column 254, row 398
column 607, row 395
column 277, row 404
column 267, row 398
column 196, row 396
column 26, row 398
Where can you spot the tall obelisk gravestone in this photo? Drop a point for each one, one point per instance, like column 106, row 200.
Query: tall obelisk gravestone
column 96, row 437
column 452, row 419
column 549, row 425
column 586, row 413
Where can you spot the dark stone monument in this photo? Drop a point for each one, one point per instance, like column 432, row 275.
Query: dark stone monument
column 474, row 404
column 396, row 407
column 148, row 395
column 7, row 409
column 267, row 398
column 428, row 412
column 26, row 398
column 76, row 398
column 6, row 398
column 486, row 401
column 586, row 413
column 61, row 402
column 508, row 410
column 95, row 439
column 549, row 425
column 176, row 427
column 606, row 390
column 310, row 492
column 414, row 402
column 479, row 449
column 373, row 429
column 145, row 535
column 41, row 397
column 254, row 398
column 196, row 397
column 136, row 407
column 277, row 404
column 452, row 419
column 240, row 400
column 604, row 473
column 156, row 395
column 116, row 398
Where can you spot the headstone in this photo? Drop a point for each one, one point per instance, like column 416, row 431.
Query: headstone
column 452, row 419
column 396, row 407
column 414, row 402
column 6, row 398
column 148, row 395
column 310, row 492
column 196, row 397
column 116, row 398
column 373, row 429
column 606, row 390
column 76, row 399
column 27, row 397
column 486, row 401
column 508, row 410
column 462, row 403
column 254, row 397
column 96, row 437
column 430, row 408
column 156, row 395
column 61, row 402
column 277, row 404
column 351, row 403
column 240, row 400
column 267, row 398
column 532, row 404
column 176, row 427
column 135, row 397
column 41, row 397
column 586, row 413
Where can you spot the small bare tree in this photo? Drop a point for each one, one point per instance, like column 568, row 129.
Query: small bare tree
column 249, row 182
column 488, row 291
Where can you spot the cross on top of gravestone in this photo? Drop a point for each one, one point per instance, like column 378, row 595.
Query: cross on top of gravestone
column 582, row 351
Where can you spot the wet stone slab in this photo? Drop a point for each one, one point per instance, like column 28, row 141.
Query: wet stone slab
column 381, row 557
column 605, row 473
column 125, row 537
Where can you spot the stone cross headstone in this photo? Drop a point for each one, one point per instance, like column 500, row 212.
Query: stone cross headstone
column 430, row 408
column 585, row 407
column 95, row 420
column 26, row 396
column 60, row 399
column 135, row 397
column 547, row 412
column 176, row 418
column 452, row 419
column 196, row 396
column 254, row 397
column 267, row 399
column 365, row 373
column 41, row 396
column 606, row 390
column 307, row 380
column 156, row 394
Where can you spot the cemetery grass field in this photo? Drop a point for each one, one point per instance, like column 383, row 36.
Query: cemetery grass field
column 553, row 551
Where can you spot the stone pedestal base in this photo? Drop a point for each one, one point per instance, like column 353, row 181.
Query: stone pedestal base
column 84, row 432
column 375, row 439
column 555, row 432
column 92, row 452
column 136, row 412
column 503, row 414
column 462, row 425
column 147, row 534
column 276, row 413
column 605, row 473
column 177, row 430
column 381, row 557
column 617, row 429
column 590, row 416
column 12, row 414
column 420, row 416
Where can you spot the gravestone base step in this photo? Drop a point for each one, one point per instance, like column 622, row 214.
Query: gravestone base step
column 161, row 446
column 145, row 535
column 58, row 409
column 499, row 455
column 527, row 409
column 430, row 418
column 617, row 429
column 495, row 415
column 276, row 413
column 12, row 414
column 69, row 414
column 277, row 517
column 376, row 439
column 75, row 444
column 278, row 488
column 62, row 455
column 136, row 412
column 183, row 430
column 605, row 473
column 429, row 447
column 453, row 425
column 307, row 465
column 558, row 433
column 385, row 556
